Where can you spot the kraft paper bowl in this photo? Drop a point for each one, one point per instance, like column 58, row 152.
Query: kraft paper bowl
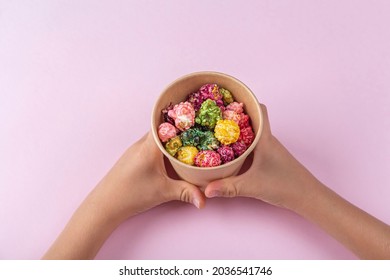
column 177, row 92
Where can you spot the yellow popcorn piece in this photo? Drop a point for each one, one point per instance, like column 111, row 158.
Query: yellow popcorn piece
column 227, row 131
column 187, row 154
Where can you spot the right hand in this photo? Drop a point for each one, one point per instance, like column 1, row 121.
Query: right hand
column 275, row 176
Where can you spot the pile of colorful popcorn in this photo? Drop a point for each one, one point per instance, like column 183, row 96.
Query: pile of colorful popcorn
column 208, row 129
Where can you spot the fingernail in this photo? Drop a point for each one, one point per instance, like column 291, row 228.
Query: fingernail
column 214, row 193
column 196, row 202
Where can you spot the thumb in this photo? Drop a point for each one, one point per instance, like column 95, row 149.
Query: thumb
column 186, row 192
column 227, row 187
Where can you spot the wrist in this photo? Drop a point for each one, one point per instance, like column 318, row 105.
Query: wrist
column 85, row 233
column 104, row 208
column 302, row 190
column 293, row 184
column 306, row 196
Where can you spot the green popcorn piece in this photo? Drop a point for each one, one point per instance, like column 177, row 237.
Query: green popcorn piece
column 191, row 137
column 208, row 114
column 208, row 141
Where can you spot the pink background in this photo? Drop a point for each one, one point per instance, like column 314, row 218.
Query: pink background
column 71, row 72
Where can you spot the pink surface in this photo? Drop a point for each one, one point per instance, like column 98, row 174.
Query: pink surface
column 71, row 72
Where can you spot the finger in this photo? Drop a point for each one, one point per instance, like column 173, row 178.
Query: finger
column 186, row 192
column 228, row 187
column 266, row 124
column 150, row 142
column 266, row 134
column 151, row 148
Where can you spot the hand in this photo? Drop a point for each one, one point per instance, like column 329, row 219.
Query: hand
column 139, row 181
column 275, row 176
column 136, row 183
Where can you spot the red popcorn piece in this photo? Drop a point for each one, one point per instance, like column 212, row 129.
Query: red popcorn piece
column 246, row 136
column 207, row 158
column 238, row 148
column 165, row 114
column 236, row 107
column 166, row 131
column 220, row 104
column 244, row 121
column 183, row 114
column 227, row 153
column 196, row 100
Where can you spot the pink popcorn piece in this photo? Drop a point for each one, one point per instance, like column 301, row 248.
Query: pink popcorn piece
column 246, row 136
column 231, row 115
column 207, row 158
column 183, row 115
column 236, row 107
column 238, row 148
column 227, row 153
column 166, row 131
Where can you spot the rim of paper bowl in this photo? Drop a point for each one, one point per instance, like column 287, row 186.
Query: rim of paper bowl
column 247, row 151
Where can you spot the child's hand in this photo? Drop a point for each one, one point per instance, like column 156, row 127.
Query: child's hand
column 136, row 183
column 275, row 176
column 139, row 181
column 278, row 178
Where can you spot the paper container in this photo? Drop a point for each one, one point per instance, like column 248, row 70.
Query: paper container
column 177, row 92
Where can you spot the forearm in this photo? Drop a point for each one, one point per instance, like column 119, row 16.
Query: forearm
column 86, row 231
column 299, row 191
column 362, row 233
